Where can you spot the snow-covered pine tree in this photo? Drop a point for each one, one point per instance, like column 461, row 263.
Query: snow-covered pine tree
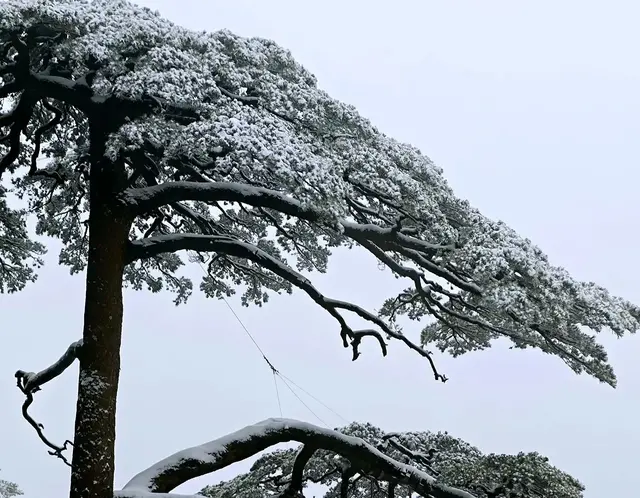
column 135, row 141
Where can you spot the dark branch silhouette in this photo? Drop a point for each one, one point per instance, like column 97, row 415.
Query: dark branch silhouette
column 30, row 382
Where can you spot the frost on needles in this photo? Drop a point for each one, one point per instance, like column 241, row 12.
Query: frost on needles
column 228, row 141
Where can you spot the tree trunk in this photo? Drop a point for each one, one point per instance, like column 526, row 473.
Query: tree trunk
column 94, row 440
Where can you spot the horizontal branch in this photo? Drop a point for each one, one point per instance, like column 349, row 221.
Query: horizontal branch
column 197, row 461
column 61, row 89
column 152, row 246
column 146, row 199
column 115, row 108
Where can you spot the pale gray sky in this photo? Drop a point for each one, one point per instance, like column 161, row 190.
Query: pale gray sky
column 532, row 110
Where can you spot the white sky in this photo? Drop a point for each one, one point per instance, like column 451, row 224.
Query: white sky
column 532, row 110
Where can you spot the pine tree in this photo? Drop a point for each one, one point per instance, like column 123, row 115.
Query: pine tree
column 135, row 141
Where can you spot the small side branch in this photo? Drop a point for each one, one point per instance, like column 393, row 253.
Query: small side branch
column 424, row 459
column 30, row 382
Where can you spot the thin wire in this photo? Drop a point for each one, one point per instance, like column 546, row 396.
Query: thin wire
column 314, row 398
column 275, row 371
column 275, row 383
column 246, row 330
column 305, row 405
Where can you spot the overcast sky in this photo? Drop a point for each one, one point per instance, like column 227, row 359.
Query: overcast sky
column 532, row 110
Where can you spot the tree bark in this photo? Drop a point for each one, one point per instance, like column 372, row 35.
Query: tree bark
column 94, row 440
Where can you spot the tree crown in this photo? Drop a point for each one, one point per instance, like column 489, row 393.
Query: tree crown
column 221, row 144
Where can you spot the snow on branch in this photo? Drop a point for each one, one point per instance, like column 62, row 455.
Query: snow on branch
column 30, row 382
column 147, row 199
column 152, row 246
column 197, row 461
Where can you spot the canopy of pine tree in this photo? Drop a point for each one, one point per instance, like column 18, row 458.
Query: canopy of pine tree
column 226, row 145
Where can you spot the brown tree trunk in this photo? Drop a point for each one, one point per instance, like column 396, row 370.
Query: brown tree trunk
column 94, row 440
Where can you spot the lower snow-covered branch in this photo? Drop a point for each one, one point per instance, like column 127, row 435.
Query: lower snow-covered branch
column 180, row 467
column 30, row 382
column 152, row 246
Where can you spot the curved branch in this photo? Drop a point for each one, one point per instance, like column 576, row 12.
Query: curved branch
column 180, row 467
column 152, row 246
column 30, row 382
column 37, row 136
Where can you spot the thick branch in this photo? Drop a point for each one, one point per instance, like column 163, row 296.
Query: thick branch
column 147, row 199
column 115, row 109
column 61, row 89
column 152, row 246
column 345, row 481
column 173, row 471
